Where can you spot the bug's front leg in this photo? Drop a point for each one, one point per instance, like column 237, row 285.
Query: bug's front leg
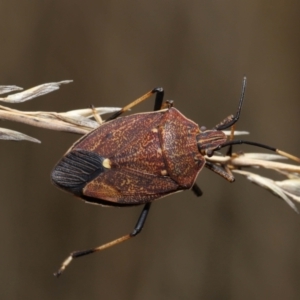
column 225, row 173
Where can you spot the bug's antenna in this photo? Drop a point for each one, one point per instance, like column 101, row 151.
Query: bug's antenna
column 230, row 121
column 280, row 152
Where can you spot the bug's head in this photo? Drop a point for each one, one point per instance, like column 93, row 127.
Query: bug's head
column 210, row 140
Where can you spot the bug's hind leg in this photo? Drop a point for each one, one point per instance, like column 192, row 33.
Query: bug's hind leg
column 143, row 216
column 158, row 102
column 137, row 229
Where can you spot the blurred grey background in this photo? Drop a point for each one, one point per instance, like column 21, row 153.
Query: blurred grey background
column 237, row 241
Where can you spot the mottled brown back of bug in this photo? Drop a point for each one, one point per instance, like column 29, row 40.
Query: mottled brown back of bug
column 137, row 172
column 133, row 159
column 179, row 145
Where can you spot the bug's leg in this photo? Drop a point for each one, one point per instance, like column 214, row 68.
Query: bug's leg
column 158, row 102
column 232, row 129
column 229, row 151
column 96, row 115
column 232, row 119
column 137, row 229
column 225, row 173
column 167, row 104
column 196, row 189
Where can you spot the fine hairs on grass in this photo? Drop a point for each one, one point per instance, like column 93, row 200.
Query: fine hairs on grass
column 80, row 121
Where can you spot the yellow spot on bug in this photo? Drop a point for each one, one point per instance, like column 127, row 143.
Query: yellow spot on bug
column 154, row 130
column 164, row 172
column 159, row 151
column 106, row 163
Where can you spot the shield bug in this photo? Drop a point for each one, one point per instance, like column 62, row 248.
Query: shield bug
column 139, row 158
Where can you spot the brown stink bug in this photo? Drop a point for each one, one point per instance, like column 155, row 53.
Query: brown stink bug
column 139, row 158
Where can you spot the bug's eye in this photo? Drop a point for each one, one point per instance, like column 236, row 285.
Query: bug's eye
column 203, row 128
column 209, row 153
